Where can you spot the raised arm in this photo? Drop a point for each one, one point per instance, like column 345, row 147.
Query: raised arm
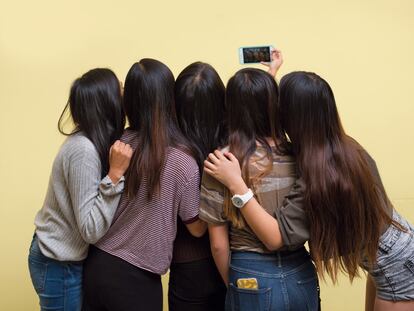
column 275, row 64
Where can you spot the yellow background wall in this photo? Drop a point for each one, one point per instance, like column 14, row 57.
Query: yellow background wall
column 365, row 50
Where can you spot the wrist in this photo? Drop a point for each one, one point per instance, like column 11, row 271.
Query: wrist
column 273, row 72
column 115, row 175
column 238, row 187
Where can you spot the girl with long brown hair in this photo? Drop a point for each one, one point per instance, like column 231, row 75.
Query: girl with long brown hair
column 258, row 278
column 349, row 220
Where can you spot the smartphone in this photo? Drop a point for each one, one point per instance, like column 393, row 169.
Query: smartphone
column 248, row 283
column 255, row 54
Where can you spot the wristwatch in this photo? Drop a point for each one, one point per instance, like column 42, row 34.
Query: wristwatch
column 239, row 200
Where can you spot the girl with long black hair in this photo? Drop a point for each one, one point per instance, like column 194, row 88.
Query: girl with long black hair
column 199, row 100
column 122, row 271
column 84, row 190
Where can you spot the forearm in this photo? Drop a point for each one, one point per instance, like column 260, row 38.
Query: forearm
column 264, row 225
column 220, row 249
column 221, row 259
column 97, row 210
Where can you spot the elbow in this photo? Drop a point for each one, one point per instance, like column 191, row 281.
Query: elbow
column 218, row 248
column 273, row 244
column 197, row 228
column 198, row 234
column 90, row 239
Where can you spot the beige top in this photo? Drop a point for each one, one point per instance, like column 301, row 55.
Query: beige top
column 271, row 192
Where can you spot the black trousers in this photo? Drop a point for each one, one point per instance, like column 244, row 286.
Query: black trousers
column 196, row 286
column 112, row 284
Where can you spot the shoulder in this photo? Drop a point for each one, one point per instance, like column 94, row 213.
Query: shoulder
column 182, row 159
column 182, row 164
column 78, row 146
column 129, row 136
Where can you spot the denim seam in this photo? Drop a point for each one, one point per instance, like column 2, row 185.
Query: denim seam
column 392, row 239
column 389, row 280
column 285, row 293
column 44, row 275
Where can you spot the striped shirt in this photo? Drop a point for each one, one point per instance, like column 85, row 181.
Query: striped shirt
column 143, row 231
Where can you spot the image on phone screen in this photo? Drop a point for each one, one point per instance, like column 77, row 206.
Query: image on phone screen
column 256, row 54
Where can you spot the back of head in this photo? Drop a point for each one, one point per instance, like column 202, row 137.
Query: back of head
column 148, row 94
column 199, row 99
column 252, row 110
column 150, row 109
column 343, row 201
column 308, row 109
column 96, row 110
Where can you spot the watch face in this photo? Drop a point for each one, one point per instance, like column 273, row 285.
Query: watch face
column 238, row 202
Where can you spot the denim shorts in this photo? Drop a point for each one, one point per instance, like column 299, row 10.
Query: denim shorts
column 286, row 281
column 58, row 284
column 393, row 272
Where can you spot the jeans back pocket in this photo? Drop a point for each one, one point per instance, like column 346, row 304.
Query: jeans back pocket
column 38, row 272
column 37, row 266
column 241, row 299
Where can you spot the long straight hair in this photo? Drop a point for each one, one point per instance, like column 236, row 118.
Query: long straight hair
column 345, row 204
column 95, row 106
column 199, row 100
column 150, row 109
column 252, row 109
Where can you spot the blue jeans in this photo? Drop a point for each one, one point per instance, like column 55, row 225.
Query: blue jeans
column 287, row 281
column 58, row 284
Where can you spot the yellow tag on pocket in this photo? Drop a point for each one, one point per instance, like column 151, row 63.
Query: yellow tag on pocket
column 248, row 283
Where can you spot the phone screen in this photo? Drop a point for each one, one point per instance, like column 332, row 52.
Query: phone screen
column 256, row 54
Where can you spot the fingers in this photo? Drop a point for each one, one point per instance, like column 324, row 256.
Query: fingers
column 219, row 154
column 276, row 54
column 208, row 171
column 121, row 148
column 213, row 158
column 128, row 150
column 209, row 165
column 231, row 157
